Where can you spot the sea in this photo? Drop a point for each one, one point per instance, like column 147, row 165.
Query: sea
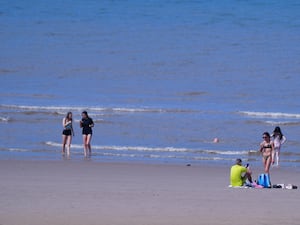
column 160, row 78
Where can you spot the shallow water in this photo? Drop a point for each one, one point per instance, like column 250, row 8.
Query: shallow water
column 161, row 79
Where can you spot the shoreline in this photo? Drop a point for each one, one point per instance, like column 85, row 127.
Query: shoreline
column 256, row 167
column 66, row 192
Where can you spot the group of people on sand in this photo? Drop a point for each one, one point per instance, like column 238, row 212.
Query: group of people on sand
column 269, row 147
column 270, row 150
column 86, row 123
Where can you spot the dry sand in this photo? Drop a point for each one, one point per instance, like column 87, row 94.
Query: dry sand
column 88, row 193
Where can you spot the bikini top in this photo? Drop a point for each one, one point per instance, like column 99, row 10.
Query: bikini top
column 267, row 146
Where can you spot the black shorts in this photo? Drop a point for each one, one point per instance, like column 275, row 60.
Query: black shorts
column 87, row 131
column 67, row 132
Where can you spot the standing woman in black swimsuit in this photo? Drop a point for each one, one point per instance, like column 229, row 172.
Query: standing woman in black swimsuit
column 267, row 149
column 67, row 133
column 86, row 123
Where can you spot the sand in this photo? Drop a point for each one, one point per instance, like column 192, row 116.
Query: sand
column 87, row 192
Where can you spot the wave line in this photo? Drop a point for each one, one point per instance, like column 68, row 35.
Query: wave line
column 270, row 114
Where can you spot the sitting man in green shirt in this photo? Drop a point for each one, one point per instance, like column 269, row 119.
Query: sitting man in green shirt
column 239, row 174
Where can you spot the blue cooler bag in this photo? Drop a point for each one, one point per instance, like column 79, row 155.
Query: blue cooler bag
column 264, row 180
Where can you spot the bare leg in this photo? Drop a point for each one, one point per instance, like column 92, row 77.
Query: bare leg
column 277, row 158
column 248, row 176
column 64, row 141
column 264, row 163
column 68, row 143
column 88, row 141
column 84, row 138
column 267, row 164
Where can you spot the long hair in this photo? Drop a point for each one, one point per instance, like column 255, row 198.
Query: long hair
column 277, row 131
column 68, row 116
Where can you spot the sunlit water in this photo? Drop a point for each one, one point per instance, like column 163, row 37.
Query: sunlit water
column 161, row 79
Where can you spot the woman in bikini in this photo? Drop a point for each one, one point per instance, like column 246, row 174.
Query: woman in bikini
column 267, row 149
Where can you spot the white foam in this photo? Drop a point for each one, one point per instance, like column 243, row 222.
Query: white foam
column 4, row 119
column 219, row 152
column 63, row 109
column 124, row 148
column 277, row 123
column 68, row 108
column 154, row 149
column 270, row 114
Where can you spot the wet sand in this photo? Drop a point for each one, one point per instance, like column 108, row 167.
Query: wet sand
column 76, row 193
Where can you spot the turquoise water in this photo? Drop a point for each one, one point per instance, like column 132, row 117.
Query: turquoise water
column 161, row 79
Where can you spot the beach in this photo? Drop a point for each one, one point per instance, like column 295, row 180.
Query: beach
column 87, row 192
column 161, row 80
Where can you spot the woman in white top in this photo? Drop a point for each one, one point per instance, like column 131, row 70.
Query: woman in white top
column 278, row 140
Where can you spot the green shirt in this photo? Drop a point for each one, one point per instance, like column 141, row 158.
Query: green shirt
column 236, row 175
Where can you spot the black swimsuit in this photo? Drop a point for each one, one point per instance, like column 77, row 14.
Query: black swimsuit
column 68, row 130
column 86, row 129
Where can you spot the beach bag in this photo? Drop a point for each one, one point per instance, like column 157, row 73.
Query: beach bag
column 264, row 180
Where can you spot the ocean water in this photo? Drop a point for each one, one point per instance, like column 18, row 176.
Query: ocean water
column 160, row 78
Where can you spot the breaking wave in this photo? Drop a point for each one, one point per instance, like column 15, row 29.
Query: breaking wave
column 63, row 109
column 156, row 149
column 270, row 114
